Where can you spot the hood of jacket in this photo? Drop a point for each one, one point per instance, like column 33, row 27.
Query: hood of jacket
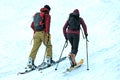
column 44, row 10
column 76, row 12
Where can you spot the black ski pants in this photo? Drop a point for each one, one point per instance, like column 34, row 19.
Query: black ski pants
column 74, row 41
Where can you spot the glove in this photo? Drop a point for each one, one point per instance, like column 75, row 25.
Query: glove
column 86, row 35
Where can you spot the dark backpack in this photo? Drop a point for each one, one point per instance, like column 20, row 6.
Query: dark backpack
column 74, row 22
column 38, row 20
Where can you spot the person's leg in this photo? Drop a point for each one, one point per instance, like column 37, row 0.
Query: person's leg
column 74, row 41
column 36, row 45
column 47, row 43
column 75, row 44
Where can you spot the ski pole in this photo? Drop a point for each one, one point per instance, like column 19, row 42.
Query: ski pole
column 65, row 45
column 87, row 53
column 45, row 54
column 31, row 41
column 82, row 33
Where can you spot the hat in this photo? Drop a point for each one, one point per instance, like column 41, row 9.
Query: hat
column 47, row 6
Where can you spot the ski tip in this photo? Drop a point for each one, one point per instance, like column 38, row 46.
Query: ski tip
column 20, row 73
column 81, row 61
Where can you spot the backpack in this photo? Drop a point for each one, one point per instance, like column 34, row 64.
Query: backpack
column 38, row 20
column 74, row 22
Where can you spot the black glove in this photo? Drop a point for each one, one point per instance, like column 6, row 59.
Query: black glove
column 86, row 35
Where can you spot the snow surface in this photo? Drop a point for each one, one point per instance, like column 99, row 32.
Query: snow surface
column 102, row 18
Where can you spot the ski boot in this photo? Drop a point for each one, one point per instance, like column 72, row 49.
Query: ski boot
column 49, row 61
column 72, row 59
column 30, row 64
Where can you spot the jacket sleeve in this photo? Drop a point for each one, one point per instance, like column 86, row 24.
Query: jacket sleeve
column 64, row 29
column 47, row 23
column 84, row 26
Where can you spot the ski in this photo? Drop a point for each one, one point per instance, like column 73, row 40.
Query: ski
column 79, row 64
column 26, row 71
column 41, row 68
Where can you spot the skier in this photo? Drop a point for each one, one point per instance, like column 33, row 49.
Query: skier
column 41, row 35
column 71, row 31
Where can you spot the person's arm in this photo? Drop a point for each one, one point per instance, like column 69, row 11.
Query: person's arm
column 64, row 29
column 84, row 26
column 47, row 23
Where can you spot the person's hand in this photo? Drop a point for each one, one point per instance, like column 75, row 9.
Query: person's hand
column 86, row 35
column 48, row 36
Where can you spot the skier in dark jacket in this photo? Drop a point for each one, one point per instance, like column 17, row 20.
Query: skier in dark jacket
column 73, row 37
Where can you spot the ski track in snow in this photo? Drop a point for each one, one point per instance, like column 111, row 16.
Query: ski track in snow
column 102, row 19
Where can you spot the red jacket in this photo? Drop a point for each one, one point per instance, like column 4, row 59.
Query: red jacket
column 66, row 31
column 47, row 21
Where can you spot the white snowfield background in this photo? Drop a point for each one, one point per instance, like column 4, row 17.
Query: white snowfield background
column 102, row 18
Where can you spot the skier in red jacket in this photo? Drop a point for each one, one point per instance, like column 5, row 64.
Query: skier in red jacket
column 73, row 36
column 41, row 36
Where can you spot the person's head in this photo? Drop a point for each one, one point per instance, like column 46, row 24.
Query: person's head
column 76, row 12
column 48, row 7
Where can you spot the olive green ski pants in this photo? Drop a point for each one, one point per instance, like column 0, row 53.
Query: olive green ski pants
column 40, row 37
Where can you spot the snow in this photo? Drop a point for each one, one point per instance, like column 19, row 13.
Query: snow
column 102, row 19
